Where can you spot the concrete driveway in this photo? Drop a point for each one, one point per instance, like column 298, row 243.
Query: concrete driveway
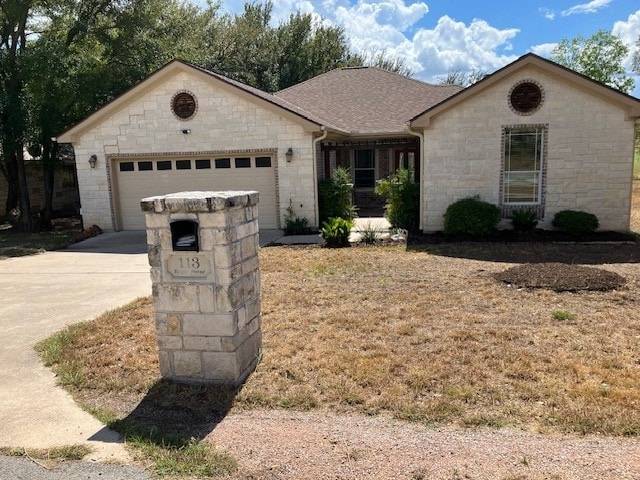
column 42, row 294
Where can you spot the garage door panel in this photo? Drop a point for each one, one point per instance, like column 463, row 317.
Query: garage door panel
column 142, row 180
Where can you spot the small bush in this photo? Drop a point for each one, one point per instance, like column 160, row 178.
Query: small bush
column 402, row 207
column 293, row 224
column 336, row 231
column 575, row 222
column 335, row 196
column 471, row 216
column 370, row 235
column 524, row 220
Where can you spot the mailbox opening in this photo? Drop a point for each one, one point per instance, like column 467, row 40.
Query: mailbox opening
column 184, row 235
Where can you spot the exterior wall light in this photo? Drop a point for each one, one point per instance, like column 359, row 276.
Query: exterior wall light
column 289, row 154
column 92, row 160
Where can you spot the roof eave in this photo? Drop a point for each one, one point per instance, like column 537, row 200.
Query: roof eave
column 423, row 120
column 172, row 68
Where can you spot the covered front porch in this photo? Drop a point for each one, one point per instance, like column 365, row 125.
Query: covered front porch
column 369, row 160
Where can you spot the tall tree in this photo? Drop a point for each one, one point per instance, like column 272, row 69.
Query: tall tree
column 463, row 79
column 600, row 57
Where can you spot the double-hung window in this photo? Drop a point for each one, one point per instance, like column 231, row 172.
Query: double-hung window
column 523, row 166
column 364, row 171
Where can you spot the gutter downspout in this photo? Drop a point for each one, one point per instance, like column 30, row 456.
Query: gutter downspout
column 315, row 171
column 422, row 175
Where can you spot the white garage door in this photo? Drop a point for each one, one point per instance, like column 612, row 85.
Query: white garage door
column 146, row 177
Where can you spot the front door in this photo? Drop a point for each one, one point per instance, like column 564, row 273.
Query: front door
column 407, row 158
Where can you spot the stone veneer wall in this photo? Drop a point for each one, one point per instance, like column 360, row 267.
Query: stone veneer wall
column 207, row 318
column 589, row 152
column 225, row 122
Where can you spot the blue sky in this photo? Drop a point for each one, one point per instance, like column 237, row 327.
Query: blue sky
column 437, row 36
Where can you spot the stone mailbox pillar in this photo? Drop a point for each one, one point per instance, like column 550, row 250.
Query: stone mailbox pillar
column 203, row 252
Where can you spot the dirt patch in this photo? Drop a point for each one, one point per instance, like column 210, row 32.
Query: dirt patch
column 561, row 277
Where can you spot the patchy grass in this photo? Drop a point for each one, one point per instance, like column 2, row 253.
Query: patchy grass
column 419, row 336
column 49, row 457
column 636, row 166
column 19, row 244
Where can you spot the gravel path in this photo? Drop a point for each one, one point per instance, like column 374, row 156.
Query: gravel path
column 288, row 445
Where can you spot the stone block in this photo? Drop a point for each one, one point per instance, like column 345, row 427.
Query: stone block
column 202, row 343
column 249, row 247
column 220, row 366
column 187, row 364
column 169, row 342
column 176, row 297
column 216, row 325
column 165, row 363
column 207, row 299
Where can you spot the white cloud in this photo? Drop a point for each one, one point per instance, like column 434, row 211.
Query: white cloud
column 629, row 33
column 546, row 13
column 591, row 7
column 454, row 45
column 387, row 13
column 544, row 49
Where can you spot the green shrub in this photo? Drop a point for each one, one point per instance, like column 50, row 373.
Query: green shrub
column 471, row 216
column 293, row 224
column 524, row 220
column 336, row 231
column 370, row 235
column 575, row 222
column 402, row 207
column 335, row 196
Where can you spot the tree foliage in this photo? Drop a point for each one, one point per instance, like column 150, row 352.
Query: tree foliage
column 62, row 59
column 463, row 79
column 600, row 57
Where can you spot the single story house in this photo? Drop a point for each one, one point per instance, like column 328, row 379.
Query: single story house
column 533, row 134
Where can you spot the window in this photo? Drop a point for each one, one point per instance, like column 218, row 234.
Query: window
column 203, row 164
column 145, row 166
column 263, row 162
column 164, row 165
column 523, row 162
column 126, row 166
column 364, row 172
column 223, row 163
column 183, row 164
column 243, row 162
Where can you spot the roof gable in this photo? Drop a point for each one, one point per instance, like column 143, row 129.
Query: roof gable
column 366, row 100
column 266, row 100
column 631, row 104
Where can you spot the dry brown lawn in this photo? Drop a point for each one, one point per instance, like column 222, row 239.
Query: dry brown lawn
column 417, row 335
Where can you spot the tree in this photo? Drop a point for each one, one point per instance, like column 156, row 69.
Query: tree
column 463, row 79
column 600, row 57
column 382, row 60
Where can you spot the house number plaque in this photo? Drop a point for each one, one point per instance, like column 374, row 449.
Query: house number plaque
column 189, row 266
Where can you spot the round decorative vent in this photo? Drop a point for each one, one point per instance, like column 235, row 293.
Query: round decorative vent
column 183, row 105
column 526, row 97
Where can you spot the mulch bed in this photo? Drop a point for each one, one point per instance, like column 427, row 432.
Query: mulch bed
column 511, row 236
column 561, row 277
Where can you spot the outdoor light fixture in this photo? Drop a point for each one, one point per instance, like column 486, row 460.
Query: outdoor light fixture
column 92, row 160
column 289, row 154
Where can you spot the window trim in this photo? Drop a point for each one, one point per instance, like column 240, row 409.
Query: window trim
column 508, row 207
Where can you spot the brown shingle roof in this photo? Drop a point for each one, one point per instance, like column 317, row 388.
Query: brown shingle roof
column 366, row 100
